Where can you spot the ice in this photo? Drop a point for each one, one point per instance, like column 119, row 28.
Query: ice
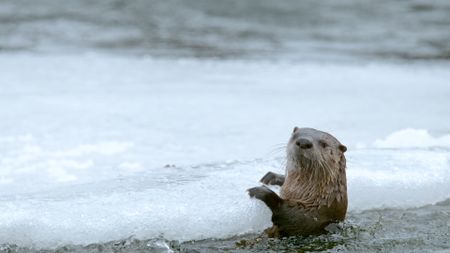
column 216, row 205
column 413, row 138
column 397, row 178
column 205, row 201
column 96, row 148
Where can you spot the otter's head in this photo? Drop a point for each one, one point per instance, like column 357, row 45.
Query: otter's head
column 315, row 152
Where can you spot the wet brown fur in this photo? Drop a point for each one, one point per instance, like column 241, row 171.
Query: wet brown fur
column 314, row 190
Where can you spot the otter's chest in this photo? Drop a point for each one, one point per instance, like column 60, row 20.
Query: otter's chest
column 300, row 190
column 310, row 192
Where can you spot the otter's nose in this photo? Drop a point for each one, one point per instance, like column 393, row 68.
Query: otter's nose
column 304, row 143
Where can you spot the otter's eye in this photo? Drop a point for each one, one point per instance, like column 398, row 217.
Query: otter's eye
column 323, row 144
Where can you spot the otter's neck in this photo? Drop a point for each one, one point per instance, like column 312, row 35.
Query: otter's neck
column 318, row 187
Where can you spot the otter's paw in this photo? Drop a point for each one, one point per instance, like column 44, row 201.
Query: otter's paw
column 272, row 179
column 259, row 192
column 272, row 232
column 266, row 195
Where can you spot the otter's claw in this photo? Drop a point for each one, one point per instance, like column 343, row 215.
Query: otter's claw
column 272, row 179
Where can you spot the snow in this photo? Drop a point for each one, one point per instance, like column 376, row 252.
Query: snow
column 96, row 148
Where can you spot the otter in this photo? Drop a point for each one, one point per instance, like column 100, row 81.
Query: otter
column 314, row 188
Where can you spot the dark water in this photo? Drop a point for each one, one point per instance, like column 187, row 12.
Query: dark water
column 425, row 229
column 365, row 30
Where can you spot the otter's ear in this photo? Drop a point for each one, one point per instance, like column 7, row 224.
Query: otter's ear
column 295, row 129
column 342, row 148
